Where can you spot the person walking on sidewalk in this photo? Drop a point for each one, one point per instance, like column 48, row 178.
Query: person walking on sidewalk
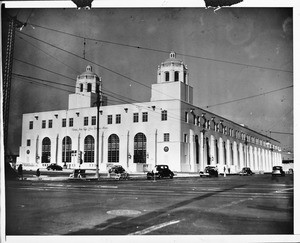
column 224, row 171
column 20, row 171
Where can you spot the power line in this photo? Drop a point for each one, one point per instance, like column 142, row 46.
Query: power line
column 162, row 51
column 249, row 97
column 286, row 133
column 90, row 61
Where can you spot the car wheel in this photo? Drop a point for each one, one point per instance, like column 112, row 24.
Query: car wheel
column 171, row 176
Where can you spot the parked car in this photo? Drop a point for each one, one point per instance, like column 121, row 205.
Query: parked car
column 118, row 172
column 246, row 171
column 209, row 171
column 278, row 171
column 160, row 171
column 54, row 167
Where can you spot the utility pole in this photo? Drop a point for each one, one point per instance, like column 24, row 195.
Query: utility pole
column 98, row 102
column 13, row 23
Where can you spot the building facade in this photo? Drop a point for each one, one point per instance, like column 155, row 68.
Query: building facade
column 167, row 130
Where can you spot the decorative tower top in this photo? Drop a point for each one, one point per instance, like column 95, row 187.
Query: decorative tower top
column 88, row 81
column 172, row 70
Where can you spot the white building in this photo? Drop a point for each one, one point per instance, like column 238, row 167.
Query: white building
column 167, row 130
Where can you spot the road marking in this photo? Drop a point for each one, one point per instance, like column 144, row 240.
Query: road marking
column 155, row 227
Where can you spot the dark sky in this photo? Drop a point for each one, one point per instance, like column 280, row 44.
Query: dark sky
column 231, row 54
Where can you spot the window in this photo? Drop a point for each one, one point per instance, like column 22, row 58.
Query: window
column 145, row 116
column 109, row 119
column 135, row 117
column 50, row 123
column 81, row 87
column 113, row 148
column 89, row 87
column 43, row 123
column 89, row 148
column 28, row 142
column 185, row 138
column 164, row 115
column 140, row 144
column 85, row 121
column 166, row 137
column 46, row 150
column 167, row 76
column 176, row 76
column 71, row 122
column 118, row 118
column 31, row 125
column 186, row 117
column 64, row 122
column 94, row 120
column 66, row 149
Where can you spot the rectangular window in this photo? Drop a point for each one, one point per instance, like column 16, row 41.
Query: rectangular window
column 43, row 123
column 93, row 120
column 145, row 116
column 50, row 124
column 28, row 142
column 164, row 115
column 64, row 122
column 135, row 117
column 109, row 119
column 166, row 137
column 31, row 125
column 186, row 117
column 85, row 121
column 185, row 138
column 71, row 122
column 118, row 118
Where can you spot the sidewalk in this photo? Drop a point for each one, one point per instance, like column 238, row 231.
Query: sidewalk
column 102, row 176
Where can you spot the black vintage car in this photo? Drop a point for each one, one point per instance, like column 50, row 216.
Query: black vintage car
column 246, row 171
column 209, row 171
column 278, row 171
column 160, row 171
column 54, row 167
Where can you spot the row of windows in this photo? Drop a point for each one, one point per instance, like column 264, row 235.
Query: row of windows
column 220, row 127
column 166, row 138
column 86, row 120
column 140, row 145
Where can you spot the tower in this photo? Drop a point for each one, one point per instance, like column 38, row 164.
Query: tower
column 172, row 81
column 86, row 88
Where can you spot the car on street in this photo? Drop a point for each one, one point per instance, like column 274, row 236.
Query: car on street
column 246, row 171
column 160, row 171
column 209, row 171
column 54, row 167
column 278, row 171
column 118, row 172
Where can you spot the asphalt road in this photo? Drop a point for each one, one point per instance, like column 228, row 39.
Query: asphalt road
column 234, row 205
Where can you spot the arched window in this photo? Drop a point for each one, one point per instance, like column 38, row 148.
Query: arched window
column 167, row 76
column 89, row 149
column 46, row 150
column 89, row 87
column 139, row 148
column 176, row 76
column 66, row 149
column 113, row 148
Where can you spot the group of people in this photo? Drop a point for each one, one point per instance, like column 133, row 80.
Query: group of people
column 20, row 172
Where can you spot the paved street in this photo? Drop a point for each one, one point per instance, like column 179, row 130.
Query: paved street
column 257, row 204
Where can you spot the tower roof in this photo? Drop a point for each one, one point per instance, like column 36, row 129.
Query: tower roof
column 88, row 72
column 173, row 59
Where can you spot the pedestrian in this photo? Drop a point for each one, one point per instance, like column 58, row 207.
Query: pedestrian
column 224, row 171
column 38, row 173
column 20, row 171
column 229, row 170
